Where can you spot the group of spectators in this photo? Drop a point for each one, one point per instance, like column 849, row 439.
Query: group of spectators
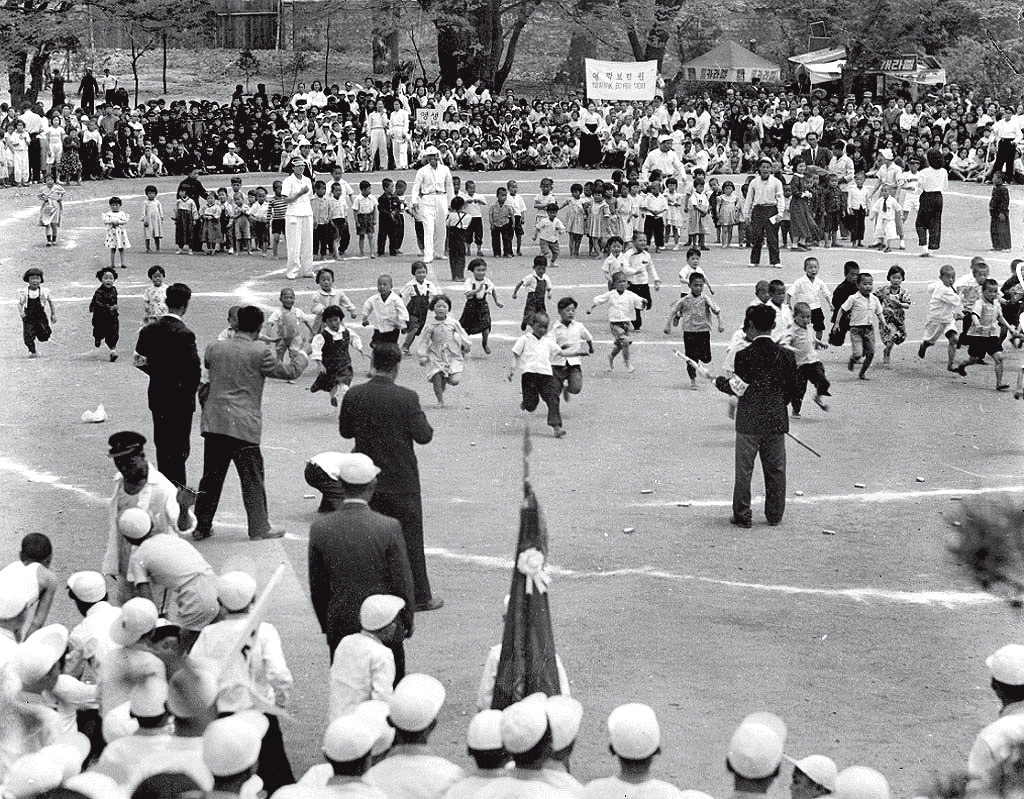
column 382, row 124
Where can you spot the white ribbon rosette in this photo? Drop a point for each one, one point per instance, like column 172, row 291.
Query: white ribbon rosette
column 530, row 564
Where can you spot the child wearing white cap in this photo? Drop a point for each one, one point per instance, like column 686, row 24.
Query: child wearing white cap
column 813, row 776
column 1000, row 740
column 484, row 745
column 231, row 750
column 363, row 665
column 564, row 717
column 635, row 740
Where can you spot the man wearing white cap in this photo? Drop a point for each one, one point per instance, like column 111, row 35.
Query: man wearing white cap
column 232, row 161
column 411, row 770
column 484, row 745
column 1003, row 737
column 755, row 754
column 813, row 776
column 635, row 740
column 431, row 194
column 665, row 160
column 363, row 666
column 231, row 750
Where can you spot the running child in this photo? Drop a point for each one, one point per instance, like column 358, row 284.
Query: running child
column 987, row 324
column 846, row 289
column 32, row 302
column 641, row 273
column 547, row 230
column 895, row 301
column 692, row 313
column 152, row 219
column 544, row 199
column 574, row 342
column 805, row 344
column 116, row 237
column 969, row 289
column 532, row 354
column 186, row 214
column 328, row 295
column 416, row 295
column 329, row 350
column 278, row 207
column 692, row 266
column 616, row 261
column 476, row 314
column 386, row 312
column 783, row 313
column 154, row 298
column 106, row 326
column 443, row 347
column 814, row 293
column 862, row 310
column 538, row 288
column 51, row 210
column 622, row 308
column 944, row 307
column 285, row 323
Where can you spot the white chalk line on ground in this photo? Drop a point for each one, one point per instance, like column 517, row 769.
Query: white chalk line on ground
column 875, row 496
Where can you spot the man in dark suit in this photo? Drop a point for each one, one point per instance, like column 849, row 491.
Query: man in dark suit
column 385, row 420
column 356, row 552
column 766, row 382
column 815, row 155
column 166, row 351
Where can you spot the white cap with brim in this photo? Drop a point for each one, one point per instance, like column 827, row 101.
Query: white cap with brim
column 357, row 469
column 564, row 717
column 755, row 751
column 36, row 656
column 1007, row 664
column 524, row 723
column 138, row 617
column 231, row 745
column 376, row 710
column 634, row 731
column 416, row 702
column 430, row 150
column 664, row 137
column 379, row 610
column 134, row 523
column 860, row 782
column 236, row 590
column 771, row 721
column 484, row 733
column 886, row 153
column 87, row 586
column 148, row 699
column 351, row 737
column 819, row 769
column 191, row 691
column 30, row 775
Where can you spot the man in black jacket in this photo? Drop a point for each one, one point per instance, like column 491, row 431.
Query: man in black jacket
column 166, row 351
column 766, row 382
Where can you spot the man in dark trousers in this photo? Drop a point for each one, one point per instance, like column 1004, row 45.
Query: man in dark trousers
column 354, row 553
column 385, row 420
column 197, row 193
column 766, row 382
column 87, row 90
column 166, row 351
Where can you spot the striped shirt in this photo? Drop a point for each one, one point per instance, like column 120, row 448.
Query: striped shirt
column 277, row 207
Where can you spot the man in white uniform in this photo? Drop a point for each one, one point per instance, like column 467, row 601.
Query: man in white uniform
column 432, row 193
column 298, row 221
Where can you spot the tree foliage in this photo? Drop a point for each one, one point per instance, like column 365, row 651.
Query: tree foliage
column 27, row 40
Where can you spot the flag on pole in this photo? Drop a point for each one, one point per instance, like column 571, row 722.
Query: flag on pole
column 527, row 663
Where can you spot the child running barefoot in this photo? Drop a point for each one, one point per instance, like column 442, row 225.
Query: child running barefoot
column 538, row 288
column 31, row 306
column 285, row 323
column 154, row 298
column 574, row 342
column 476, row 314
column 532, row 354
column 692, row 312
column 327, row 296
column 152, row 219
column 443, row 346
column 987, row 324
column 862, row 309
column 51, row 210
column 944, row 307
column 386, row 312
column 622, row 307
column 805, row 345
column 116, row 238
column 895, row 300
column 416, row 294
column 186, row 215
column 331, row 355
column 106, row 326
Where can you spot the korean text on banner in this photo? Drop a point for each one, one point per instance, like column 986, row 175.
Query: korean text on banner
column 621, row 80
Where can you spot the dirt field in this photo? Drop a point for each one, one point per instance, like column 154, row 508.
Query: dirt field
column 868, row 642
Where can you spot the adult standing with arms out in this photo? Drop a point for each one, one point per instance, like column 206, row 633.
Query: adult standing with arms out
column 166, row 351
column 298, row 220
column 87, row 89
column 432, row 193
column 386, row 420
column 766, row 382
column 764, row 207
column 232, row 423
column 932, row 181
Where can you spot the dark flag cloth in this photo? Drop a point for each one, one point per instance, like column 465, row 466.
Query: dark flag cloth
column 527, row 662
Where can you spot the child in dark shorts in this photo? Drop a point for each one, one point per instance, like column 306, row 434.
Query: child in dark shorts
column 986, row 325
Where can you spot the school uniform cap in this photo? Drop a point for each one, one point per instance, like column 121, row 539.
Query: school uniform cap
column 416, row 702
column 148, row 699
column 232, row 744
column 484, row 732
column 236, row 590
column 860, row 782
column 88, row 586
column 134, row 523
column 379, row 610
column 138, row 617
column 430, row 150
column 31, row 775
column 351, row 737
column 1007, row 664
column 14, row 597
column 771, row 721
column 357, row 469
column 755, row 751
column 524, row 723
column 126, row 442
column 634, row 731
column 819, row 769
column 377, row 710
column 40, row 652
column 564, row 717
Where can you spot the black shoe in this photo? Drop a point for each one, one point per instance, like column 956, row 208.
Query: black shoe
column 435, row 603
column 200, row 534
column 267, row 535
column 922, row 350
column 746, row 525
column 775, row 524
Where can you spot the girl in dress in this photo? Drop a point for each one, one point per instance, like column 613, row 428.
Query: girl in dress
column 697, row 208
column 53, row 145
column 185, row 215
column 620, row 213
column 416, row 294
column 106, row 325
column 675, row 220
column 116, row 238
column 801, row 220
column 476, row 314
column 211, row 219
column 51, row 210
column 330, row 352
column 443, row 347
column 70, row 167
column 597, row 222
column 576, row 220
column 152, row 219
column 895, row 300
column 728, row 212
column 155, row 297
column 32, row 302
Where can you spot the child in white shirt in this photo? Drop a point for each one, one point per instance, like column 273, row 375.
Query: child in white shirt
column 884, row 213
column 547, row 230
column 814, row 293
column 622, row 307
column 862, row 308
column 532, row 354
column 944, row 307
column 386, row 312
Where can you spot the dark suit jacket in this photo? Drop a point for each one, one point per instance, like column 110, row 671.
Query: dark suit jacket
column 769, row 371
column 385, row 420
column 353, row 553
column 172, row 363
column 822, row 159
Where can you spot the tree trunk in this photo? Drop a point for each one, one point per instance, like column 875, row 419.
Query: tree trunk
column 164, row 44
column 16, row 77
column 385, row 40
column 661, row 30
column 37, row 73
column 135, row 68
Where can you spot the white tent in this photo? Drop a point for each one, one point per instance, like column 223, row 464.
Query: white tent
column 821, row 66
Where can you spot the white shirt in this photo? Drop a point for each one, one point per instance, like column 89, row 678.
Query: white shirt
column 572, row 335
column 640, row 270
column 386, row 315
column 90, row 639
column 167, row 561
column 291, row 186
column 617, row 788
column 535, row 354
column 362, row 669
column 621, row 307
column 413, row 771
column 994, row 745
column 316, row 353
column 812, row 292
column 431, row 182
column 336, row 788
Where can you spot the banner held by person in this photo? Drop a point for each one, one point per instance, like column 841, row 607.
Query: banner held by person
column 621, row 80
